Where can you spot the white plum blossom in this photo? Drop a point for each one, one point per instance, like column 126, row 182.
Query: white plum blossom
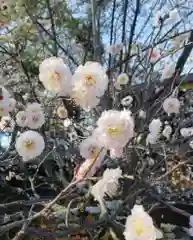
column 155, row 127
column 21, row 119
column 62, row 112
column 168, row 71
column 83, row 97
column 90, row 166
column 93, row 77
column 123, row 79
column 127, row 101
column 167, row 131
column 56, row 76
column 139, row 225
column 171, row 105
column 115, row 128
column 186, row 132
column 35, row 120
column 90, row 147
column 29, row 145
column 108, row 185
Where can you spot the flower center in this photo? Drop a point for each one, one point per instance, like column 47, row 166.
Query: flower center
column 53, row 75
column 29, row 144
column 90, row 80
column 115, row 131
column 1, row 110
column 139, row 227
column 122, row 79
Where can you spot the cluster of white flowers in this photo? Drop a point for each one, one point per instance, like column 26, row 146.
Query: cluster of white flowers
column 171, row 105
column 86, row 86
column 154, row 131
column 107, row 185
column 32, row 117
column 29, row 145
column 139, row 225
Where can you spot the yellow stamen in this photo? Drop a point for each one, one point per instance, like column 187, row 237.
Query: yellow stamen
column 139, row 227
column 29, row 144
column 54, row 75
column 90, row 80
column 122, row 79
column 114, row 131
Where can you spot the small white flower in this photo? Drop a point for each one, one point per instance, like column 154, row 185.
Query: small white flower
column 29, row 145
column 171, row 105
column 67, row 122
column 155, row 127
column 21, row 119
column 108, row 185
column 127, row 101
column 35, row 120
column 12, row 104
column 142, row 114
column 168, row 71
column 56, row 76
column 139, row 225
column 123, row 79
column 186, row 132
column 167, row 131
column 62, row 112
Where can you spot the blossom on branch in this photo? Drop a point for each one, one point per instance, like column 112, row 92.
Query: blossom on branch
column 139, row 225
column 56, row 76
column 29, row 145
